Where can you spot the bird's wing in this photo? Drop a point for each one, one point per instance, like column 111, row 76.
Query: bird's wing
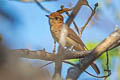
column 73, row 36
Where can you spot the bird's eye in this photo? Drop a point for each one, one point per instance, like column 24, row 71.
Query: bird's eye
column 56, row 18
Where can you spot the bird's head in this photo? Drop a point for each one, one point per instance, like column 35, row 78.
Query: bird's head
column 55, row 18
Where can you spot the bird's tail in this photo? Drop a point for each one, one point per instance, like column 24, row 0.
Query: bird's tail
column 82, row 47
column 96, row 69
column 94, row 66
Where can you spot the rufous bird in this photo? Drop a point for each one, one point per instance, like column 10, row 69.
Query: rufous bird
column 72, row 39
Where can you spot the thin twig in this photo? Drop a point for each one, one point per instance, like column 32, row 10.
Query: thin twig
column 75, row 25
column 62, row 61
column 96, row 76
column 90, row 7
column 62, row 10
column 70, row 63
column 77, row 29
column 92, row 14
column 66, row 11
column 42, row 7
column 46, row 65
column 107, row 64
column 75, row 11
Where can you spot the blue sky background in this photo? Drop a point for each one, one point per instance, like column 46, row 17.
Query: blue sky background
column 32, row 28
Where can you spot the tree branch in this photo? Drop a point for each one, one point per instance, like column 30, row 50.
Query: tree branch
column 75, row 11
column 58, row 63
column 43, row 55
column 42, row 7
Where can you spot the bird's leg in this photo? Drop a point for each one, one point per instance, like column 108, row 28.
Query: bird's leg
column 54, row 49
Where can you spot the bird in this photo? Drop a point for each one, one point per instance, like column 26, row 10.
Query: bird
column 56, row 22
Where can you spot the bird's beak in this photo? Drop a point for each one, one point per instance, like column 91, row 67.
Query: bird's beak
column 47, row 16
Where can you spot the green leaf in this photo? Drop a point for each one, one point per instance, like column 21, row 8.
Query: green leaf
column 73, row 60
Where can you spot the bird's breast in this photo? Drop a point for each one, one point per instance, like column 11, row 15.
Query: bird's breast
column 55, row 31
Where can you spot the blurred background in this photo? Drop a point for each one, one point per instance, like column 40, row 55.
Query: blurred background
column 23, row 25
